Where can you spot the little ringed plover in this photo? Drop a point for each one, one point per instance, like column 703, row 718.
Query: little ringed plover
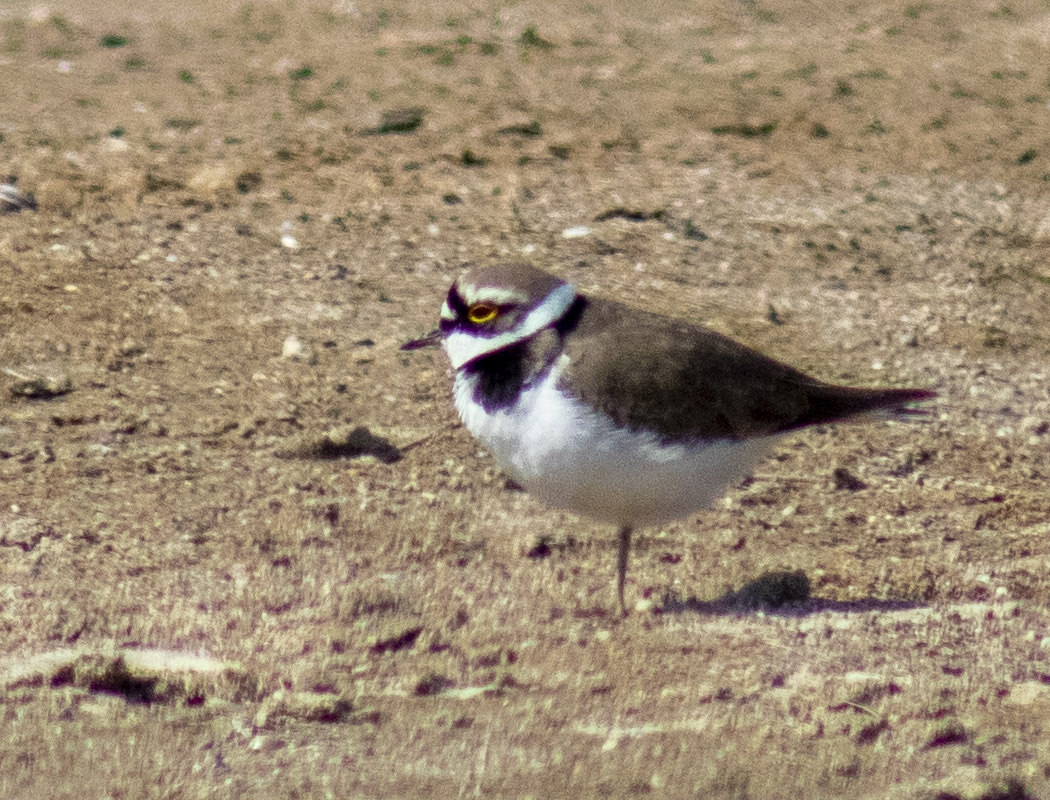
column 620, row 414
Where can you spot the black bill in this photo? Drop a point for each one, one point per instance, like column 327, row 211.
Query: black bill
column 430, row 340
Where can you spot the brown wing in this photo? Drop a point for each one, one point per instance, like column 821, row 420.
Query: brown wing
column 685, row 381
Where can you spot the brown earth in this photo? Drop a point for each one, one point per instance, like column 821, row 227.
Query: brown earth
column 212, row 585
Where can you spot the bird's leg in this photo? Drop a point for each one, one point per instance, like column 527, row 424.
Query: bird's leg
column 621, row 565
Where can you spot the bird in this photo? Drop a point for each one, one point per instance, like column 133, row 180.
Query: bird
column 621, row 414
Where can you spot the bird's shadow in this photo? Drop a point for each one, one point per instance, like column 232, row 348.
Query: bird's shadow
column 782, row 593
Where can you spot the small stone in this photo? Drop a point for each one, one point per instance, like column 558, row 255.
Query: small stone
column 24, row 533
column 293, row 348
column 576, row 232
column 397, row 120
column 39, row 384
column 287, row 239
column 345, row 441
column 327, row 707
column 847, row 481
column 12, row 200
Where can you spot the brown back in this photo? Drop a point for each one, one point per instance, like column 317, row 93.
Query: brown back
column 685, row 381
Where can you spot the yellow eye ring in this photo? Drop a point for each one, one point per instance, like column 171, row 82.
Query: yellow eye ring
column 480, row 313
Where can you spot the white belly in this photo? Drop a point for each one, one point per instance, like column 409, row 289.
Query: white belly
column 574, row 457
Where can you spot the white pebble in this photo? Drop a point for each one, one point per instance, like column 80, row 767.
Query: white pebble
column 576, row 232
column 293, row 347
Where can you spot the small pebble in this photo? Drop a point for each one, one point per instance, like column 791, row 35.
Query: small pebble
column 293, row 347
column 576, row 232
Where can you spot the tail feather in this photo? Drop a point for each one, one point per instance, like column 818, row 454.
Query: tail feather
column 829, row 403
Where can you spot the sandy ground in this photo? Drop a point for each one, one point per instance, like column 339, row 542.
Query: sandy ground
column 247, row 551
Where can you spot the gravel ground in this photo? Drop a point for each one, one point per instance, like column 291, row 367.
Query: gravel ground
column 245, row 547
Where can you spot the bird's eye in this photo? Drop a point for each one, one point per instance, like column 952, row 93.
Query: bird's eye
column 480, row 313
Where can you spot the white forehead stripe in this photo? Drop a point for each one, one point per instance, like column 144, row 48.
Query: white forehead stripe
column 493, row 294
column 463, row 347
